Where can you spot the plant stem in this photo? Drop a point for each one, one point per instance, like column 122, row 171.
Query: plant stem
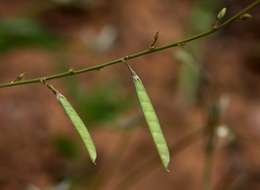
column 208, row 163
column 213, row 121
column 134, row 55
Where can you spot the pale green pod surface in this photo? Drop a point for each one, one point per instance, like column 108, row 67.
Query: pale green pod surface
column 152, row 121
column 79, row 125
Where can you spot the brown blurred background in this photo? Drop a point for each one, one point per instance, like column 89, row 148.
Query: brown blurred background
column 39, row 149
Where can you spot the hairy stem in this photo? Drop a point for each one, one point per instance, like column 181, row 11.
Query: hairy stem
column 134, row 55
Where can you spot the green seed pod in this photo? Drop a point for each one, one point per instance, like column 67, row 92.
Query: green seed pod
column 79, row 125
column 222, row 13
column 152, row 121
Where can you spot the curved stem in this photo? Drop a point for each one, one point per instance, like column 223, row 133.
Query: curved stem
column 134, row 55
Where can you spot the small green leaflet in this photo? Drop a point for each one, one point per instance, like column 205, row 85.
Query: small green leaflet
column 79, row 125
column 222, row 13
column 152, row 120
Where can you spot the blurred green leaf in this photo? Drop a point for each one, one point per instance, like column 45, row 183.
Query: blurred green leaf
column 66, row 146
column 188, row 75
column 20, row 32
column 203, row 15
column 101, row 103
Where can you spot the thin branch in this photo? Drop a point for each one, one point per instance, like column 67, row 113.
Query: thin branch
column 155, row 39
column 134, row 55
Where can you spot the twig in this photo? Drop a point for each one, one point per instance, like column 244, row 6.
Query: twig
column 19, row 77
column 137, row 54
column 155, row 39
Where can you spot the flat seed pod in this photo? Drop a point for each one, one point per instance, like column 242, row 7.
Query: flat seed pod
column 152, row 121
column 79, row 125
